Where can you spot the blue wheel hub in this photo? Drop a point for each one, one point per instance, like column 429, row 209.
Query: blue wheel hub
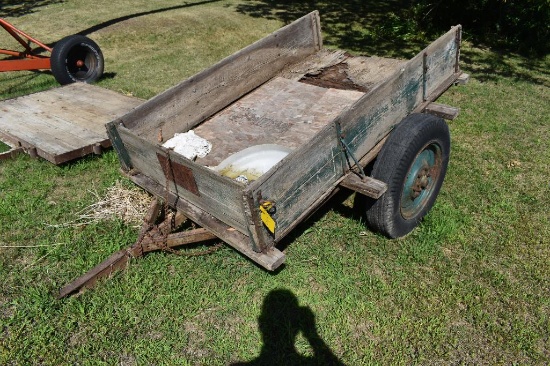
column 420, row 182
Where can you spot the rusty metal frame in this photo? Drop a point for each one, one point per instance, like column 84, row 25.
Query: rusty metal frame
column 23, row 60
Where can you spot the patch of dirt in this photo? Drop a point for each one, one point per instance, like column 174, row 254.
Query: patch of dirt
column 335, row 77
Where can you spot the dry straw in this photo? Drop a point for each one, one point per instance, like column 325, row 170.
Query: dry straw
column 127, row 204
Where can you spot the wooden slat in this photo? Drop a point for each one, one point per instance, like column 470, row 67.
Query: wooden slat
column 442, row 110
column 87, row 107
column 218, row 195
column 301, row 178
column 41, row 118
column 51, row 138
column 367, row 186
column 376, row 113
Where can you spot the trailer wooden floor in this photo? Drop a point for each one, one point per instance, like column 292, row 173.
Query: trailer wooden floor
column 63, row 123
column 291, row 108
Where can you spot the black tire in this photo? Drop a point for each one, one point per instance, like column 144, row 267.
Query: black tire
column 76, row 58
column 413, row 163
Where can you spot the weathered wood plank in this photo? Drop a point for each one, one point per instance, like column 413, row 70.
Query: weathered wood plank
column 312, row 64
column 376, row 113
column 442, row 110
column 104, row 101
column 174, row 240
column 63, row 123
column 185, row 105
column 85, row 106
column 41, row 115
column 38, row 132
column 50, row 138
column 367, row 186
column 296, row 182
column 219, row 195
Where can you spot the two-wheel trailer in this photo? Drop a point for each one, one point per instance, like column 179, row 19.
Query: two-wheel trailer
column 333, row 114
column 289, row 123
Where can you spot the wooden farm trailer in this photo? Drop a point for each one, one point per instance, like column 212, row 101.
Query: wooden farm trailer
column 335, row 112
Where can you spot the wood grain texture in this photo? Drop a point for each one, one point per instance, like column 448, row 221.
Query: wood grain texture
column 301, row 178
column 367, row 186
column 317, row 164
column 63, row 123
column 376, row 113
column 219, row 195
column 442, row 110
column 185, row 105
column 270, row 259
column 282, row 112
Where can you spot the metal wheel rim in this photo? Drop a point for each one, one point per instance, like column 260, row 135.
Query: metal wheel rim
column 81, row 62
column 421, row 180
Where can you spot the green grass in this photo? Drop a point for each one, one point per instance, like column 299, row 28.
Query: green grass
column 4, row 147
column 469, row 286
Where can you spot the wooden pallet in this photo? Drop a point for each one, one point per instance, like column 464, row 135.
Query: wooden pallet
column 64, row 123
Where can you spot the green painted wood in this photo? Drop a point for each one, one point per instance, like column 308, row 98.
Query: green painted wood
column 306, row 175
column 118, row 145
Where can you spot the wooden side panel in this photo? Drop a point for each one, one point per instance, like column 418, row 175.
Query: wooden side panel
column 220, row 196
column 302, row 179
column 297, row 182
column 376, row 113
column 192, row 101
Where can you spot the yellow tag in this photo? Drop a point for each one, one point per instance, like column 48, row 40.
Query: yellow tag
column 267, row 220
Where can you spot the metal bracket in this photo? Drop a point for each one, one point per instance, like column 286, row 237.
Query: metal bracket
column 425, row 77
column 347, row 151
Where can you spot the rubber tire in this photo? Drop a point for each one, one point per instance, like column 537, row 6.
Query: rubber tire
column 65, row 54
column 417, row 134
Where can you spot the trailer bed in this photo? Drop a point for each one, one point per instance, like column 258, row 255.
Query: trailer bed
column 294, row 106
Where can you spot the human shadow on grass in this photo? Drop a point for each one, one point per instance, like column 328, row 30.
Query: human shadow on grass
column 280, row 323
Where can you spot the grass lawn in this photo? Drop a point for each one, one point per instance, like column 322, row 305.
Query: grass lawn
column 471, row 285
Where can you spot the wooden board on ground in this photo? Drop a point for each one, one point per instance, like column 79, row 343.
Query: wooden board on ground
column 63, row 123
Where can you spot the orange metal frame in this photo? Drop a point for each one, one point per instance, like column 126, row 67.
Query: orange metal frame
column 23, row 60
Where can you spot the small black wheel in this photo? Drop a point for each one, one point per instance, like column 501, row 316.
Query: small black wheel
column 413, row 163
column 76, row 58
